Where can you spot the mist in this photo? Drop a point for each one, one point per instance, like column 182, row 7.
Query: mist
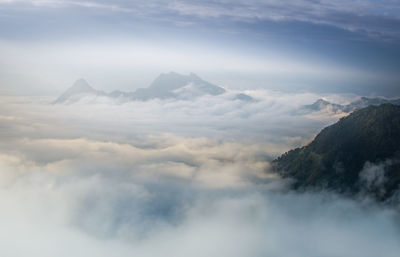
column 174, row 178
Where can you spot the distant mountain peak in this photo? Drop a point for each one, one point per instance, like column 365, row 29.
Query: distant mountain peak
column 171, row 85
column 322, row 104
column 80, row 86
column 175, row 85
column 81, row 82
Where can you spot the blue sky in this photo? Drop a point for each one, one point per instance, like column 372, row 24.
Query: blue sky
column 327, row 46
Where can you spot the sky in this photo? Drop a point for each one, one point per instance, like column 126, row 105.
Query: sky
column 303, row 45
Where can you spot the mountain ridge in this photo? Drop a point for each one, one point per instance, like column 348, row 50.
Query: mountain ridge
column 166, row 86
column 340, row 153
column 363, row 102
column 80, row 87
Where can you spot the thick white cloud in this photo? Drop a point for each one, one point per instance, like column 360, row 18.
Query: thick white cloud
column 171, row 178
column 87, row 215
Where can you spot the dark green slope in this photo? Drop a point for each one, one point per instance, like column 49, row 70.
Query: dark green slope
column 334, row 159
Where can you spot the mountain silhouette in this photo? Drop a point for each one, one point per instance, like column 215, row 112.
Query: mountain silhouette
column 363, row 102
column 79, row 89
column 166, row 86
column 358, row 154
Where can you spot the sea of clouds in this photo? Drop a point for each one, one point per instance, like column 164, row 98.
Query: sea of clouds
column 173, row 178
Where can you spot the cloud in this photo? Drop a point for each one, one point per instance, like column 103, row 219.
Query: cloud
column 171, row 178
column 374, row 18
column 46, row 215
column 211, row 141
column 372, row 176
column 373, row 179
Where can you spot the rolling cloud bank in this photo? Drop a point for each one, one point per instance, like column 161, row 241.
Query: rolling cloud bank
column 175, row 177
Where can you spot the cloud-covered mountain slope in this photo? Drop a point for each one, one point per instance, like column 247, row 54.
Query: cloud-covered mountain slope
column 363, row 102
column 358, row 154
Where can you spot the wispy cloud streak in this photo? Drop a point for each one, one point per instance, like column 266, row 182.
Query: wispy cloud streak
column 374, row 18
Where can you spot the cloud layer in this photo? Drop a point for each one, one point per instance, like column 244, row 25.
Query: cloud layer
column 375, row 18
column 171, row 178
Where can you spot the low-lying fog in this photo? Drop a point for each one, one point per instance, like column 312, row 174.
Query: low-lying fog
column 173, row 178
